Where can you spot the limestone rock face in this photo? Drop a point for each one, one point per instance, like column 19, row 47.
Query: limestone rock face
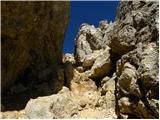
column 69, row 58
column 101, row 64
column 137, row 70
column 32, row 36
column 139, row 82
column 54, row 106
column 112, row 74
column 132, row 42
column 136, row 23
column 88, row 39
column 89, row 50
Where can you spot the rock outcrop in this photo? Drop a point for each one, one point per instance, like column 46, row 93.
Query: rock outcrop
column 83, row 100
column 137, row 22
column 113, row 72
column 32, row 36
column 137, row 70
column 132, row 42
column 89, row 51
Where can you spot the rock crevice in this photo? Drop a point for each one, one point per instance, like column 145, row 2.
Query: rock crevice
column 113, row 72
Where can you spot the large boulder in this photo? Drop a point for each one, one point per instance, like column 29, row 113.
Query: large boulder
column 88, row 39
column 55, row 106
column 32, row 36
column 101, row 64
column 90, row 51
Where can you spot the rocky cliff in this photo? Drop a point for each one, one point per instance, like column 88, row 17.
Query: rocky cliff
column 32, row 40
column 136, row 33
column 113, row 72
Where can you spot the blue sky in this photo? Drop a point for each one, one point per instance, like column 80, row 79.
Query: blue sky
column 90, row 12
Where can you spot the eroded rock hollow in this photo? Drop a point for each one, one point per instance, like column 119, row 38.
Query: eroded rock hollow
column 113, row 72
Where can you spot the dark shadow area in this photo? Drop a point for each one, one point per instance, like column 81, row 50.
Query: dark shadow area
column 17, row 96
column 114, row 58
column 68, row 74
column 117, row 109
column 98, row 82
column 133, row 117
column 17, row 101
column 12, row 100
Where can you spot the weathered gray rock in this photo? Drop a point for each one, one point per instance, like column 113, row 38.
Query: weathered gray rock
column 140, row 80
column 32, row 39
column 102, row 64
column 107, row 34
column 108, row 86
column 148, row 68
column 136, row 22
column 123, row 40
column 90, row 59
column 136, row 35
column 54, row 106
column 128, row 80
column 69, row 57
column 88, row 39
column 103, row 26
column 89, row 50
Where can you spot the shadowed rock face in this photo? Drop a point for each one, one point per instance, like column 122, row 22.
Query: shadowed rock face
column 32, row 36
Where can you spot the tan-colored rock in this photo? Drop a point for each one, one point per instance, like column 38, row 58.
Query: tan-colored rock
column 140, row 79
column 125, row 105
column 85, row 92
column 81, row 83
column 69, row 57
column 128, row 80
column 102, row 64
column 13, row 114
column 88, row 39
column 55, row 106
column 90, row 59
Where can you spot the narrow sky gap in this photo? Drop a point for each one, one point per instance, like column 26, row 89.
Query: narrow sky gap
column 91, row 12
